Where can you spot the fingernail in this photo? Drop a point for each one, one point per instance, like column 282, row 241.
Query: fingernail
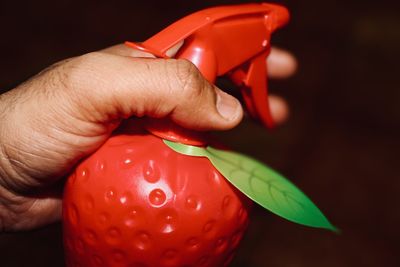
column 227, row 106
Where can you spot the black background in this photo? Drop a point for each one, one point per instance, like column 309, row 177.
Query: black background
column 341, row 144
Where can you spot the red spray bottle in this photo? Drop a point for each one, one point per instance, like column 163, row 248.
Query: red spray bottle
column 156, row 194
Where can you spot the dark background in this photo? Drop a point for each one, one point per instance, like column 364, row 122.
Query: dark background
column 341, row 144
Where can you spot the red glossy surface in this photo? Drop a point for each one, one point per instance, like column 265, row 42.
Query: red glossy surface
column 136, row 202
column 228, row 40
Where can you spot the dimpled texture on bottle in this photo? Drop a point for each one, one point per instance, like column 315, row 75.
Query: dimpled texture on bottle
column 137, row 203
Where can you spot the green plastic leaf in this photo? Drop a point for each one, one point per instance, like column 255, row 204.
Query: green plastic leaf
column 261, row 184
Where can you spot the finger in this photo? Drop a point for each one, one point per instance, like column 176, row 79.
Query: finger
column 281, row 63
column 123, row 50
column 279, row 109
column 115, row 86
column 174, row 50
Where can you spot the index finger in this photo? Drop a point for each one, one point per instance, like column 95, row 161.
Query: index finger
column 123, row 50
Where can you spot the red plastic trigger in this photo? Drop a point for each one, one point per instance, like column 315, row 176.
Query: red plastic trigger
column 251, row 78
column 227, row 40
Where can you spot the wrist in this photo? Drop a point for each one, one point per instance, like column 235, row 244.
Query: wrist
column 4, row 212
column 5, row 194
column 8, row 170
column 10, row 203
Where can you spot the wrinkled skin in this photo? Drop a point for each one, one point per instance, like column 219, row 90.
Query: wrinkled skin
column 63, row 114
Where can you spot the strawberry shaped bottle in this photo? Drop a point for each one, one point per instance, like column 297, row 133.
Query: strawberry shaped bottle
column 159, row 195
column 138, row 202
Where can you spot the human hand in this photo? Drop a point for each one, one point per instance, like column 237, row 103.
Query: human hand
column 67, row 111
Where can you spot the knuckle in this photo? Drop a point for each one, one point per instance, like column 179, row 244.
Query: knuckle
column 76, row 70
column 76, row 80
column 191, row 81
column 90, row 59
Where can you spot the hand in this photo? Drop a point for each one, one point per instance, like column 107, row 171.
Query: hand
column 67, row 111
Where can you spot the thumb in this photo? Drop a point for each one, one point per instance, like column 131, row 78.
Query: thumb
column 103, row 87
